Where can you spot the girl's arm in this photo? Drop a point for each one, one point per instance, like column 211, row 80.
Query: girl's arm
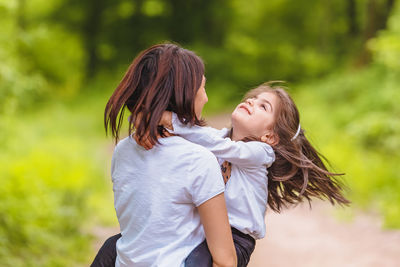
column 240, row 153
column 214, row 217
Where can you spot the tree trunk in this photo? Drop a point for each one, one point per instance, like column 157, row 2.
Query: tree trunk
column 91, row 30
column 352, row 18
column 21, row 22
column 387, row 10
column 377, row 16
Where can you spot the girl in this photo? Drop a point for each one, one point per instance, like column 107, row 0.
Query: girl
column 170, row 198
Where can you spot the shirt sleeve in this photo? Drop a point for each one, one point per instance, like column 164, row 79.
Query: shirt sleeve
column 246, row 154
column 208, row 181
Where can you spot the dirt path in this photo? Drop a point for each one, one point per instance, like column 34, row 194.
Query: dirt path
column 313, row 238
column 304, row 237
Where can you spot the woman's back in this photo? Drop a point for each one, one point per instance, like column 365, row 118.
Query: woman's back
column 156, row 192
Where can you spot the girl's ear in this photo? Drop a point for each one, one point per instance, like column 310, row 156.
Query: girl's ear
column 270, row 138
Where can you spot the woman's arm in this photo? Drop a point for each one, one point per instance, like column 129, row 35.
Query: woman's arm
column 240, row 153
column 214, row 217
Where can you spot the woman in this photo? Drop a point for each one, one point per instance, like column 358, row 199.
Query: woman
column 166, row 196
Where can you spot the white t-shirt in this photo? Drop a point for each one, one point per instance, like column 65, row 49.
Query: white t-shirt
column 156, row 193
column 246, row 192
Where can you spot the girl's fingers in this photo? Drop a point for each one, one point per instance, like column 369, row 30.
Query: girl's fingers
column 145, row 141
column 147, row 144
column 136, row 138
column 166, row 120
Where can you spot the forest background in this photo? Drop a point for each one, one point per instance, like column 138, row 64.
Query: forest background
column 60, row 60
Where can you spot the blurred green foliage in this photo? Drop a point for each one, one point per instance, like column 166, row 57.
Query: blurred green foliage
column 353, row 119
column 54, row 187
column 361, row 125
column 61, row 59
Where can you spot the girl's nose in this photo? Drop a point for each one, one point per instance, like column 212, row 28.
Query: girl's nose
column 250, row 101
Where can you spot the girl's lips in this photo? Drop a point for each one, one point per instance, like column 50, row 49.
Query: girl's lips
column 243, row 106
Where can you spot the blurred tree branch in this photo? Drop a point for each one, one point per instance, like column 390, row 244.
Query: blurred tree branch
column 378, row 12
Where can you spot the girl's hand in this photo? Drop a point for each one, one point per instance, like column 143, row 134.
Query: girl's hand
column 166, row 120
column 144, row 141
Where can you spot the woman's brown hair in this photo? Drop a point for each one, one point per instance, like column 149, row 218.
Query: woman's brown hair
column 299, row 171
column 162, row 77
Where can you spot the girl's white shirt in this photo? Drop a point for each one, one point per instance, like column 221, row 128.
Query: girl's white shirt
column 246, row 191
column 156, row 193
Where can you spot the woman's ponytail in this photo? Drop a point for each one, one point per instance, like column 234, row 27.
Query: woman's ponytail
column 163, row 77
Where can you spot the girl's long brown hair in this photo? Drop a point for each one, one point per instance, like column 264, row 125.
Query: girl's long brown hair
column 162, row 77
column 299, row 171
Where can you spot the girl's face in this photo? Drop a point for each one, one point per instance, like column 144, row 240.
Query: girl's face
column 200, row 99
column 255, row 117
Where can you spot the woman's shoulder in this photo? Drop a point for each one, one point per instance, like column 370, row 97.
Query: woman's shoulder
column 181, row 145
column 174, row 147
column 126, row 143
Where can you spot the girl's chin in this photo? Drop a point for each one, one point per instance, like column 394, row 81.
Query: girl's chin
column 239, row 114
column 235, row 118
column 240, row 121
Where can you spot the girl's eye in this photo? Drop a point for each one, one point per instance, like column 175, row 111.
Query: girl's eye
column 264, row 107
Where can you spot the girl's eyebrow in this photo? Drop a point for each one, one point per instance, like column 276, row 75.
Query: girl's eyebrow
column 266, row 101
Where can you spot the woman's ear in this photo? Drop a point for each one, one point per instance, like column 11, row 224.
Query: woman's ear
column 270, row 138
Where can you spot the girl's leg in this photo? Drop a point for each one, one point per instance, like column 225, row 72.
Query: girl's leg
column 199, row 257
column 107, row 254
